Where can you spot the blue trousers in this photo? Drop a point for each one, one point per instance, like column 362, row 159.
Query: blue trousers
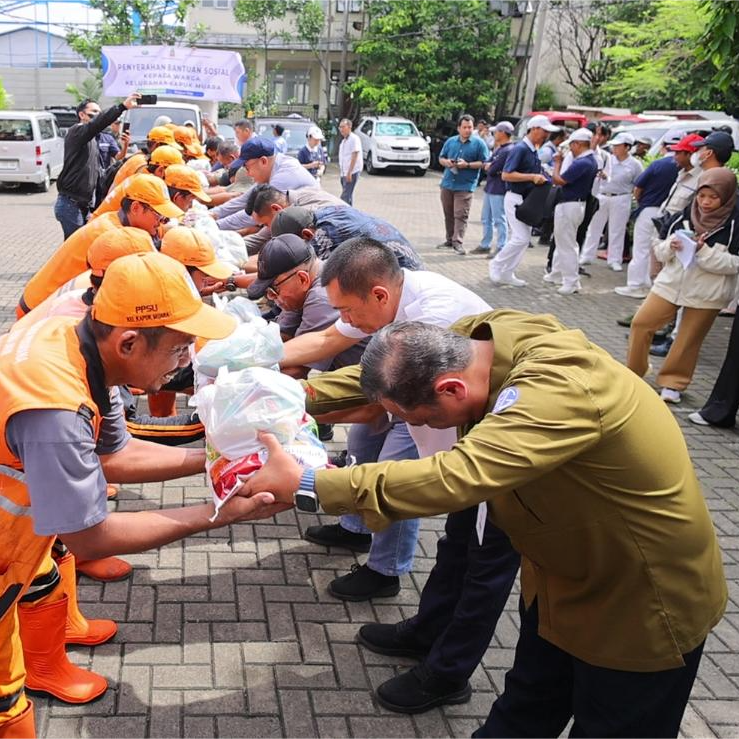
column 547, row 686
column 392, row 548
column 493, row 218
column 69, row 213
column 464, row 595
column 347, row 189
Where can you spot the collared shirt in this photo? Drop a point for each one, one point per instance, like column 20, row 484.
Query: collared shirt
column 347, row 147
column 472, row 150
column 656, row 181
column 524, row 159
column 622, row 176
column 307, row 155
column 579, row 177
column 619, row 548
column 494, row 184
column 682, row 191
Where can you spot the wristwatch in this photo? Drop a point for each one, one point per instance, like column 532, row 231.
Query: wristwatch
column 305, row 497
column 230, row 284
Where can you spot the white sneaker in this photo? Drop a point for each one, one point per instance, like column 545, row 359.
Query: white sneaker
column 629, row 291
column 513, row 281
column 670, row 396
column 615, row 266
column 568, row 289
column 553, row 278
column 697, row 419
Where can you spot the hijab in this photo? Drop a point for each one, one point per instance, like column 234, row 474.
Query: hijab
column 723, row 182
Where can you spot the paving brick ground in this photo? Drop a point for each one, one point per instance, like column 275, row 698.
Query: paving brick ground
column 232, row 633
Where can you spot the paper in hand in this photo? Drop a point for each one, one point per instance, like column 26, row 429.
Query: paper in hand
column 686, row 255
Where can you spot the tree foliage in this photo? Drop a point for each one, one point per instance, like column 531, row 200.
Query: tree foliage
column 719, row 45
column 158, row 23
column 4, row 97
column 431, row 59
column 90, row 88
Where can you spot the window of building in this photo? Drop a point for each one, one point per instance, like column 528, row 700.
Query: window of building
column 355, row 6
column 46, row 128
column 291, row 86
column 217, row 4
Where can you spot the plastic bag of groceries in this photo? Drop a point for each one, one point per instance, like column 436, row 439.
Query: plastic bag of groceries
column 255, row 343
column 230, row 247
column 225, row 476
column 197, row 217
column 241, row 308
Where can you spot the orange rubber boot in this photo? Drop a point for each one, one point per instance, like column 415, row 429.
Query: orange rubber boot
column 48, row 668
column 107, row 569
column 80, row 630
column 21, row 726
column 162, row 404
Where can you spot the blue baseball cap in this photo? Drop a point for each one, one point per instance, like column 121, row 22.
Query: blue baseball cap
column 255, row 147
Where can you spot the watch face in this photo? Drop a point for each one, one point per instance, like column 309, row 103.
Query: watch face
column 306, row 502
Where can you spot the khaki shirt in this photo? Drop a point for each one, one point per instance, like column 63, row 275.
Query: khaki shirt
column 586, row 470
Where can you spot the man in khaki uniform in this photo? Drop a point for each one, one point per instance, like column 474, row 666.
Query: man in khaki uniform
column 622, row 579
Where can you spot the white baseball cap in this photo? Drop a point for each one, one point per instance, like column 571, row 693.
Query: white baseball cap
column 541, row 121
column 315, row 133
column 580, row 134
column 622, row 138
column 504, row 126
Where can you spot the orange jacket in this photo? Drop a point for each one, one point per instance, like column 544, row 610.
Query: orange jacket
column 131, row 166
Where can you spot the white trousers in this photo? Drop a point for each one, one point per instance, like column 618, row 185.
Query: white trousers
column 614, row 210
column 567, row 219
column 519, row 238
column 644, row 234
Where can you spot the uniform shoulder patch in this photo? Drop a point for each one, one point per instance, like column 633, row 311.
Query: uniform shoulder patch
column 506, row 399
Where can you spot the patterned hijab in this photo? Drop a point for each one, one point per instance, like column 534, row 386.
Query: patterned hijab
column 723, row 182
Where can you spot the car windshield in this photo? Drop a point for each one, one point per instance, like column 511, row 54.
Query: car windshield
column 405, row 128
column 15, row 130
column 142, row 119
column 295, row 133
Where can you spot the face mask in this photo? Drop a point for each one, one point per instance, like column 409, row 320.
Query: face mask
column 695, row 159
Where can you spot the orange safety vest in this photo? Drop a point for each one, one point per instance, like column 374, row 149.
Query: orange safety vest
column 68, row 261
column 131, row 166
column 112, row 200
column 42, row 367
column 69, row 304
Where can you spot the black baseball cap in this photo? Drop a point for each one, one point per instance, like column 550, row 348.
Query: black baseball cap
column 291, row 220
column 722, row 143
column 280, row 254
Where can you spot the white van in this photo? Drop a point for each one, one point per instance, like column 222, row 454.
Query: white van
column 142, row 118
column 31, row 148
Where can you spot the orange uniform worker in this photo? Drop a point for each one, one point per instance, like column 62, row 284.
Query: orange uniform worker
column 145, row 206
column 158, row 136
column 188, row 139
column 184, row 185
column 61, row 423
column 161, row 158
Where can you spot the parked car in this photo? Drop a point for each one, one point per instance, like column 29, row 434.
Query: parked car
column 226, row 131
column 393, row 143
column 657, row 129
column 437, row 138
column 31, row 148
column 142, row 119
column 563, row 119
column 65, row 115
column 296, row 127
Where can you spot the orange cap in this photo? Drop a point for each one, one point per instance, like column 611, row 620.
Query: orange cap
column 161, row 135
column 166, row 155
column 185, row 178
column 188, row 138
column 193, row 249
column 146, row 188
column 116, row 243
column 149, row 290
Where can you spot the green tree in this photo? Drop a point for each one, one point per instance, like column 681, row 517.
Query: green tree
column 719, row 45
column 431, row 59
column 4, row 97
column 90, row 88
column 158, row 23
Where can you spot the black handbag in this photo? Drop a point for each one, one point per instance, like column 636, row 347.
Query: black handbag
column 537, row 205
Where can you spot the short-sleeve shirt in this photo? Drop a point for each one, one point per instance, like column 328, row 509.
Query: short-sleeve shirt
column 307, row 155
column 430, row 298
column 59, row 446
column 621, row 175
column 579, row 178
column 472, row 150
column 494, row 184
column 523, row 159
column 656, row 181
column 347, row 147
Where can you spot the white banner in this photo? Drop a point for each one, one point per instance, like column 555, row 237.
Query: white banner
column 173, row 71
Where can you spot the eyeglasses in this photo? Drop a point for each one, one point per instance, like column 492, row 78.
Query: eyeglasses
column 146, row 206
column 272, row 292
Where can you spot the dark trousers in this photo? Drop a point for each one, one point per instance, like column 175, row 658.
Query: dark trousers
column 464, row 595
column 347, row 188
column 591, row 206
column 547, row 686
column 70, row 214
column 722, row 405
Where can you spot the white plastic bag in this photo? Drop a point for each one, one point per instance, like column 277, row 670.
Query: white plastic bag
column 241, row 308
column 230, row 247
column 240, row 404
column 253, row 344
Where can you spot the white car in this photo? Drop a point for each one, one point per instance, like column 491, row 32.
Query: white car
column 658, row 129
column 393, row 143
column 31, row 148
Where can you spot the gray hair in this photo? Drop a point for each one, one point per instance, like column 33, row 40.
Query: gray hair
column 228, row 147
column 347, row 122
column 403, row 360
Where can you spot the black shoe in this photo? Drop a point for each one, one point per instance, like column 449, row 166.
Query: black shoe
column 626, row 321
column 325, row 431
column 340, row 459
column 445, row 245
column 661, row 350
column 334, row 535
column 662, row 333
column 480, row 250
column 395, row 640
column 419, row 690
column 459, row 249
column 362, row 583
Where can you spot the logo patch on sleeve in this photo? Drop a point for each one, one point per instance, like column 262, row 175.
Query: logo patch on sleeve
column 506, row 399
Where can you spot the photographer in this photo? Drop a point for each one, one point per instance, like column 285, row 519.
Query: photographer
column 79, row 176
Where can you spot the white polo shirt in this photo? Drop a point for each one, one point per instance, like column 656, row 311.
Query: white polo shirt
column 347, row 147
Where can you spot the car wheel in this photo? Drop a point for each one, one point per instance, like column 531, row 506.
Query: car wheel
column 419, row 171
column 369, row 167
column 46, row 184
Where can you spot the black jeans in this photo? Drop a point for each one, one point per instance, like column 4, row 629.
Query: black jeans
column 722, row 405
column 547, row 686
column 464, row 595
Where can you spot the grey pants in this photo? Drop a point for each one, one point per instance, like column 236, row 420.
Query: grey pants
column 456, row 206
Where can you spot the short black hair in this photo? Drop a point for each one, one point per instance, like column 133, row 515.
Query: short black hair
column 126, row 204
column 358, row 264
column 212, row 142
column 174, row 192
column 280, row 129
column 244, row 123
column 261, row 197
column 81, row 106
column 554, row 135
column 465, row 117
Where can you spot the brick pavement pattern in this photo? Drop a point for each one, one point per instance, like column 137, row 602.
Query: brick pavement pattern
column 232, row 633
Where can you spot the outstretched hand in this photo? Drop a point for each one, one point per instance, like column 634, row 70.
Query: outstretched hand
column 280, row 474
column 254, row 508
